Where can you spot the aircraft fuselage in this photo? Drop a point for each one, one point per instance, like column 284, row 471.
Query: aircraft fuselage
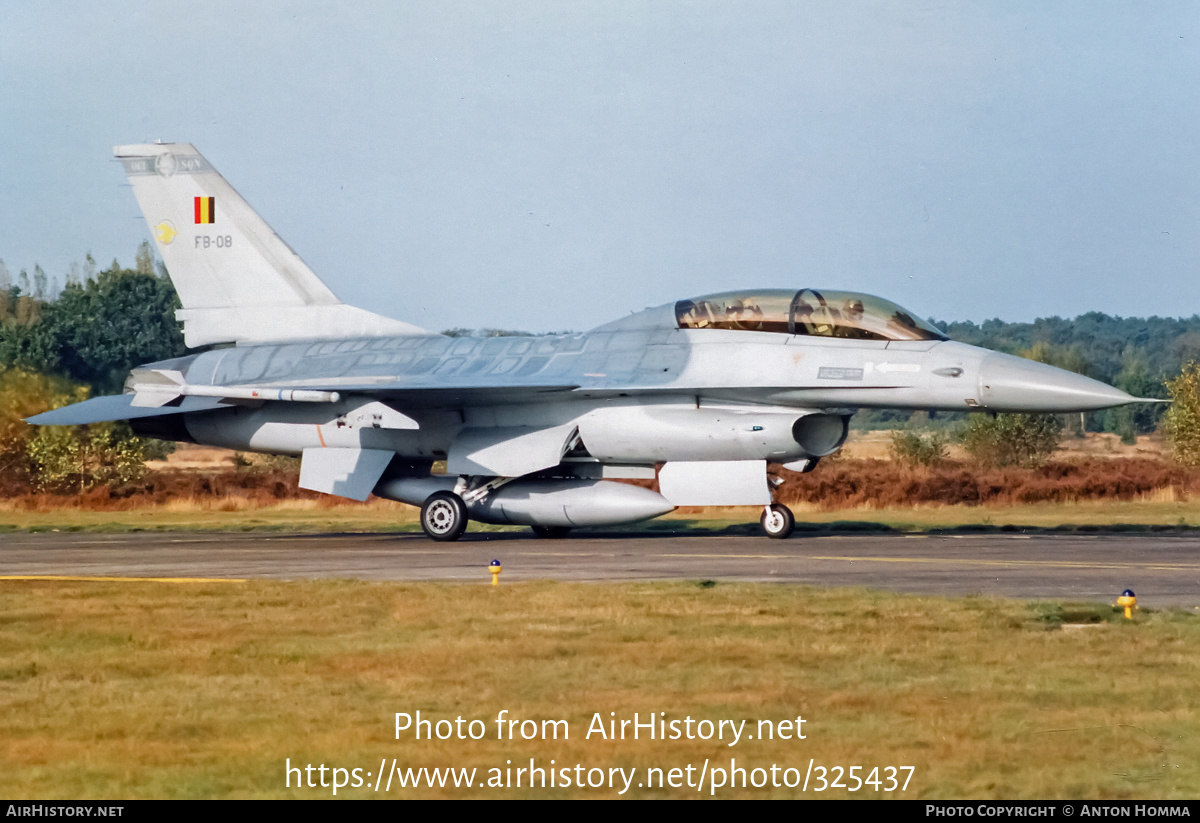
column 641, row 395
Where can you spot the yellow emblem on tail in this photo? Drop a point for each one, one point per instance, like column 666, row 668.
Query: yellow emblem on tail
column 166, row 232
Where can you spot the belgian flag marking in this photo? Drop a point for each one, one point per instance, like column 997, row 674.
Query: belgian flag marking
column 206, row 209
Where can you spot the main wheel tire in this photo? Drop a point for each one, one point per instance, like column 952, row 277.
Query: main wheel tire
column 778, row 521
column 551, row 532
column 444, row 516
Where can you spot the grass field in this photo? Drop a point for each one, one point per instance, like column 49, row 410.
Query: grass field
column 124, row 690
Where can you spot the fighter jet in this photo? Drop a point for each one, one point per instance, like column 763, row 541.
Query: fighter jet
column 702, row 395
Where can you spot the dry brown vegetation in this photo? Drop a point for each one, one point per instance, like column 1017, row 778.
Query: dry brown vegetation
column 201, row 480
column 158, row 488
column 836, row 484
column 843, row 484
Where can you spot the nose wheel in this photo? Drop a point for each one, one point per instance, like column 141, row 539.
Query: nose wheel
column 444, row 516
column 777, row 521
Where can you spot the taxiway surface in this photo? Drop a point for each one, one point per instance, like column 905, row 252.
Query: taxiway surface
column 1164, row 570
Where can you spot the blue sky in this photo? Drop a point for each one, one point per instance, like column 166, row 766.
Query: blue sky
column 551, row 165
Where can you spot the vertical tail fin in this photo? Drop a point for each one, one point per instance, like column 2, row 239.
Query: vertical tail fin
column 238, row 281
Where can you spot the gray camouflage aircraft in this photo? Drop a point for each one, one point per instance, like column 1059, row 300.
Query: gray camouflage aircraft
column 701, row 394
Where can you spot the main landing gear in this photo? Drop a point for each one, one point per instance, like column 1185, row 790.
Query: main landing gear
column 444, row 516
column 778, row 521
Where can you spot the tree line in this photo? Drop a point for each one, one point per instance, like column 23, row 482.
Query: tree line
column 60, row 346
column 98, row 327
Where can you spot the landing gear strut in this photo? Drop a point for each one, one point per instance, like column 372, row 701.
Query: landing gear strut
column 777, row 521
column 444, row 516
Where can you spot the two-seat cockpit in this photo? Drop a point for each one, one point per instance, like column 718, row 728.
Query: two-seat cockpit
column 843, row 314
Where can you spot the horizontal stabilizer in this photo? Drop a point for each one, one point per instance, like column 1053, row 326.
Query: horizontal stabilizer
column 119, row 407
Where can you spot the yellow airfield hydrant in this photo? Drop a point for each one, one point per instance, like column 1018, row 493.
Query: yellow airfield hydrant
column 494, row 568
column 1129, row 600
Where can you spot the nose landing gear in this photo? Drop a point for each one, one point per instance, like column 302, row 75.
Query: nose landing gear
column 777, row 521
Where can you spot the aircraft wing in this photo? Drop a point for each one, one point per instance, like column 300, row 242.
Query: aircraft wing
column 124, row 407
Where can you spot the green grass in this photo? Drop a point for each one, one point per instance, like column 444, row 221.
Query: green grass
column 119, row 690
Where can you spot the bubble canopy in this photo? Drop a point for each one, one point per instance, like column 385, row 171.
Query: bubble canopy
column 844, row 314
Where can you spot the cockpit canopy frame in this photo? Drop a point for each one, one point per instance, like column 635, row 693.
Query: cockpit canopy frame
column 825, row 313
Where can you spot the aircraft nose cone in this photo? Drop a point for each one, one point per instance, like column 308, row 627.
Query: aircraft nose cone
column 1014, row 384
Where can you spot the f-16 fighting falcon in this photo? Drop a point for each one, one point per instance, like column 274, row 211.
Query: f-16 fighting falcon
column 701, row 394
